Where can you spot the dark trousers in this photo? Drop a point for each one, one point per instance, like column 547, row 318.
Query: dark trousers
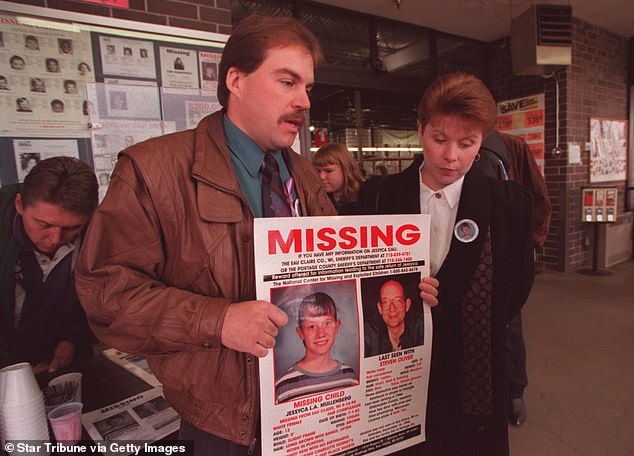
column 516, row 352
column 206, row 444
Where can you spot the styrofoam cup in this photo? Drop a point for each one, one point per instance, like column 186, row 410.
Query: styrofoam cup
column 71, row 380
column 18, row 384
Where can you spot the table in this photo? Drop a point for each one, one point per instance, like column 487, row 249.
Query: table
column 103, row 383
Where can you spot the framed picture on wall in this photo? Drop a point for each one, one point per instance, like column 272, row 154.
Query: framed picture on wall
column 608, row 149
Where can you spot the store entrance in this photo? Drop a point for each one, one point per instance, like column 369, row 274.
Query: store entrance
column 377, row 126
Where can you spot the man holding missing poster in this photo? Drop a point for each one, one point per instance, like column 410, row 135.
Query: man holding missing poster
column 169, row 273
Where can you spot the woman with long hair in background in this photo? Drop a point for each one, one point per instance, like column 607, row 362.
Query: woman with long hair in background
column 340, row 175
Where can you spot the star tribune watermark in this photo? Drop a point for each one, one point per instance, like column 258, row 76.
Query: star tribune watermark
column 118, row 448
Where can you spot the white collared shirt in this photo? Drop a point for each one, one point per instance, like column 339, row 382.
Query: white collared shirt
column 443, row 207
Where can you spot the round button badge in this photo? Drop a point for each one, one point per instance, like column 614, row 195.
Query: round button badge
column 466, row 230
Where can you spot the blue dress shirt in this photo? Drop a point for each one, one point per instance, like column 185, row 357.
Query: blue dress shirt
column 247, row 157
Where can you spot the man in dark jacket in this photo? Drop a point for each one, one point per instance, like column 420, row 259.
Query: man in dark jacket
column 509, row 157
column 41, row 319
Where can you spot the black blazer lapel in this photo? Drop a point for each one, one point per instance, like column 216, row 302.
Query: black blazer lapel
column 463, row 257
column 400, row 193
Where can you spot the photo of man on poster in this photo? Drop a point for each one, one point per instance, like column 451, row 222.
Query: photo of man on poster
column 392, row 313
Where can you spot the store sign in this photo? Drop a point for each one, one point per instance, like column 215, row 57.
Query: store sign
column 320, row 137
column 524, row 117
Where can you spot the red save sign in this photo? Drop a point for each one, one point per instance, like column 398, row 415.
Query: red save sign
column 534, row 118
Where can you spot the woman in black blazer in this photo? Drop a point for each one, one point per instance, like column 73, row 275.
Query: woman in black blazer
column 482, row 255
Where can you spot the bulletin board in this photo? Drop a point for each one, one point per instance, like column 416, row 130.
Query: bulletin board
column 87, row 86
column 608, row 150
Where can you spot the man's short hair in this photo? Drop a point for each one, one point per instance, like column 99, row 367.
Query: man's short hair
column 316, row 305
column 64, row 181
column 253, row 37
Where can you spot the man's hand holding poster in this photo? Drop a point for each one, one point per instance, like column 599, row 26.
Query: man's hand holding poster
column 349, row 372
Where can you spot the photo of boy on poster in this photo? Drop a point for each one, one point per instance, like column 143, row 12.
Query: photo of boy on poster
column 289, row 348
column 390, row 301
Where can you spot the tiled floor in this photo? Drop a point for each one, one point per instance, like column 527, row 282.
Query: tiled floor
column 579, row 332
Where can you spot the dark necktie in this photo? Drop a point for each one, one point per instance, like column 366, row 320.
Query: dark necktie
column 477, row 381
column 274, row 196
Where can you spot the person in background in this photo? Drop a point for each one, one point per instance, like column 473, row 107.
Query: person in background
column 4, row 83
column 395, row 328
column 317, row 371
column 484, row 281
column 42, row 222
column 340, row 175
column 380, row 170
column 505, row 156
column 169, row 273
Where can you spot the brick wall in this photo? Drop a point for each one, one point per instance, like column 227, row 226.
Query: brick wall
column 595, row 85
column 598, row 88
column 207, row 15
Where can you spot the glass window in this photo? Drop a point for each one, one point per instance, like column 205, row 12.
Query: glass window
column 460, row 54
column 404, row 50
column 344, row 37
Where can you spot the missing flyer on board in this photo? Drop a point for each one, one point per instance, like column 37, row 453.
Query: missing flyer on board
column 349, row 372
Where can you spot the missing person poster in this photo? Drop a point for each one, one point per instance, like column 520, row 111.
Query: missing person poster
column 349, row 372
column 43, row 73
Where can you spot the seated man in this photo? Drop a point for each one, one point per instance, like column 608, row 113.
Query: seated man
column 41, row 320
column 397, row 328
column 317, row 371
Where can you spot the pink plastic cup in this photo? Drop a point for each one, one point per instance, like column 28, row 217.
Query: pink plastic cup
column 66, row 422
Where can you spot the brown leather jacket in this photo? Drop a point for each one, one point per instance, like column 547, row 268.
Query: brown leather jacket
column 523, row 169
column 168, row 250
